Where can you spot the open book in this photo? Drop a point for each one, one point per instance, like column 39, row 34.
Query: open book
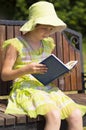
column 56, row 68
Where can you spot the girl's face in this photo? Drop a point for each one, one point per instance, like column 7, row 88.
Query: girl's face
column 43, row 31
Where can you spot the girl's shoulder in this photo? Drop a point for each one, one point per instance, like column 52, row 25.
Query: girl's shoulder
column 14, row 42
column 49, row 43
column 48, row 39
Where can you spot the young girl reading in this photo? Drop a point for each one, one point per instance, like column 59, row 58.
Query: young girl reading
column 28, row 95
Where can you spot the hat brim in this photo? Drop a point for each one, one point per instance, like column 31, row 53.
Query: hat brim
column 58, row 24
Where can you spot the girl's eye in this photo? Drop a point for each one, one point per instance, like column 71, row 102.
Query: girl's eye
column 51, row 29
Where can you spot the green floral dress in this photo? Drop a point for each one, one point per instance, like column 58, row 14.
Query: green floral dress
column 28, row 95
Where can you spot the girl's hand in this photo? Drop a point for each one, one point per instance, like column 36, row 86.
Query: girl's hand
column 36, row 68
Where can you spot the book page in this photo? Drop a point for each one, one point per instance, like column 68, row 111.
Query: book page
column 71, row 64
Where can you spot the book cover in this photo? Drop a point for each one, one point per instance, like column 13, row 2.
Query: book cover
column 56, row 68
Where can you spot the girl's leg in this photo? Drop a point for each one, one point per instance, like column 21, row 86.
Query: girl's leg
column 75, row 121
column 53, row 120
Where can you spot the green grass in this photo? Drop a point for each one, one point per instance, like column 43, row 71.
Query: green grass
column 84, row 55
column 84, row 128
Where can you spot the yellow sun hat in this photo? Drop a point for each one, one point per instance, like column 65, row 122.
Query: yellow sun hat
column 43, row 13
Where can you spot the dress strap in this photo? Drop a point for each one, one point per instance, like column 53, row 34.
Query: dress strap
column 24, row 42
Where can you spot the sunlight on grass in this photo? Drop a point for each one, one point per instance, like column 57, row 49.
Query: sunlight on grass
column 70, row 92
column 84, row 128
column 84, row 56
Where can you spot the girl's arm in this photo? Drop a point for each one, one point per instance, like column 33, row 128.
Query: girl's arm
column 8, row 73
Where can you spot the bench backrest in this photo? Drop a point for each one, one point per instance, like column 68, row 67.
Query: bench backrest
column 65, row 50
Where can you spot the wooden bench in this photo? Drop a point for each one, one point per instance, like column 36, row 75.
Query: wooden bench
column 68, row 47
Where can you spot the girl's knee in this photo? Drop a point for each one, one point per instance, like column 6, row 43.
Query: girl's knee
column 75, row 120
column 53, row 116
column 75, row 116
column 53, row 120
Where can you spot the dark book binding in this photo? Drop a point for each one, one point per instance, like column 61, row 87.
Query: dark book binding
column 56, row 68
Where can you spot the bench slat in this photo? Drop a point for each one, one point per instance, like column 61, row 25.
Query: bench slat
column 8, row 119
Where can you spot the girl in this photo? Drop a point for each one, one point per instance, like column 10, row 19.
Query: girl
column 28, row 95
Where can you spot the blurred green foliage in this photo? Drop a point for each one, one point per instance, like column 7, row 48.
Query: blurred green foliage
column 72, row 12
